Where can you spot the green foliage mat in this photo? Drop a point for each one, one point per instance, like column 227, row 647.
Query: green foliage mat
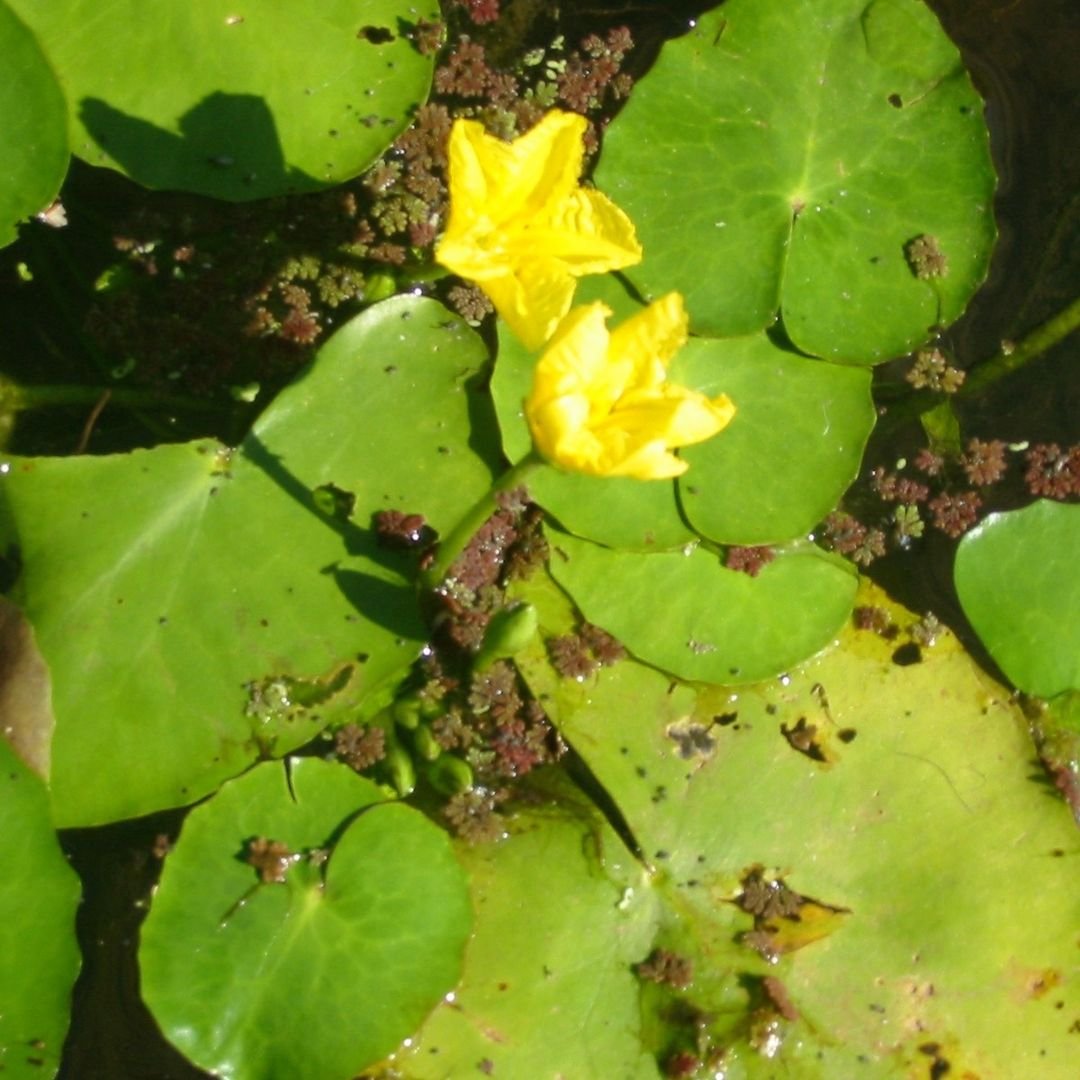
column 235, row 102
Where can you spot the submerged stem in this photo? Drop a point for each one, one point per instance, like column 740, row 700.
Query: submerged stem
column 1037, row 342
column 18, row 398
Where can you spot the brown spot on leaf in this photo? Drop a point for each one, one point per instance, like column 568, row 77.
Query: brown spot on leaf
column 692, row 740
column 907, row 654
column 376, row 35
column 666, row 968
column 804, row 737
column 925, row 257
column 778, row 995
column 784, row 920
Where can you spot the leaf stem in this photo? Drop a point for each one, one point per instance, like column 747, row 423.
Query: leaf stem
column 420, row 274
column 1012, row 359
column 457, row 540
column 16, row 398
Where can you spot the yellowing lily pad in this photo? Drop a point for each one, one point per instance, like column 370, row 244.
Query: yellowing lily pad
column 869, row 832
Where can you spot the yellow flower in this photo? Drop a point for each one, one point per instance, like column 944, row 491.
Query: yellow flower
column 522, row 228
column 600, row 402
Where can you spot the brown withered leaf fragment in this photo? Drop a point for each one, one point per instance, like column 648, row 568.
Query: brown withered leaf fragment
column 26, row 716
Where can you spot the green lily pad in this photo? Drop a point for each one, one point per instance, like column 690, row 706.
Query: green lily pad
column 325, row 970
column 786, row 155
column 39, row 956
column 686, row 613
column 790, row 452
column 866, row 793
column 230, row 613
column 236, row 102
column 776, row 470
column 562, row 913
column 1017, row 582
column 33, row 126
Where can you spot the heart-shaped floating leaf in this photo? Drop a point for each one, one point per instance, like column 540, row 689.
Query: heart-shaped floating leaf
column 236, row 102
column 300, row 930
column 39, row 956
column 793, row 447
column 199, row 607
column 33, row 126
column 775, row 471
column 688, row 614
column 822, row 843
column 822, row 158
column 1017, row 582
column 562, row 912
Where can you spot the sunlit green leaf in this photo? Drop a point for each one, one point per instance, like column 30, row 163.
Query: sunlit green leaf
column 1017, row 581
column 686, row 613
column 33, row 126
column 325, row 970
column 785, row 155
column 39, row 957
column 793, row 447
column 235, row 102
column 548, row 990
column 199, row 608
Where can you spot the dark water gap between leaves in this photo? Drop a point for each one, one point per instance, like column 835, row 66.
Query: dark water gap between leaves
column 112, row 1034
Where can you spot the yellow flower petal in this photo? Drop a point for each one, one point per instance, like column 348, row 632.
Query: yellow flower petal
column 522, row 228
column 532, row 300
column 650, row 339
column 545, row 162
column 589, row 233
column 600, row 402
